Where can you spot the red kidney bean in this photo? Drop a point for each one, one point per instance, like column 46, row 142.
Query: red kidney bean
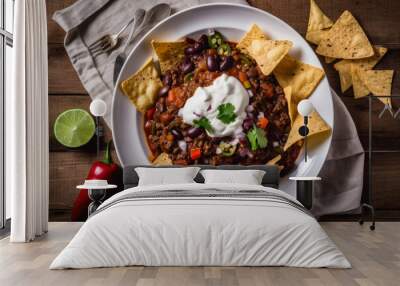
column 189, row 51
column 193, row 49
column 167, row 80
column 226, row 63
column 198, row 47
column 177, row 134
column 204, row 41
column 212, row 63
column 187, row 67
column 216, row 140
column 163, row 91
column 194, row 132
column 248, row 124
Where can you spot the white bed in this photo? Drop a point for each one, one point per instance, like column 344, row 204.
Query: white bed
column 203, row 230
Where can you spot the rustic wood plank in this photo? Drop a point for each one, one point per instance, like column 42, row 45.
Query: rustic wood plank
column 63, row 78
column 67, row 170
column 386, row 181
column 380, row 19
column 55, row 33
column 386, row 130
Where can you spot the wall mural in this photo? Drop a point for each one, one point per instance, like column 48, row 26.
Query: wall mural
column 218, row 102
column 217, row 96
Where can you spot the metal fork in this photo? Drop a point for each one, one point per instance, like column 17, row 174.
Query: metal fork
column 397, row 113
column 107, row 42
column 387, row 107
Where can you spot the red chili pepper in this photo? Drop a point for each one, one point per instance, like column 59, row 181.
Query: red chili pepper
column 195, row 153
column 101, row 170
column 150, row 113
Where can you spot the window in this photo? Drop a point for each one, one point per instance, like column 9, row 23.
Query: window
column 6, row 44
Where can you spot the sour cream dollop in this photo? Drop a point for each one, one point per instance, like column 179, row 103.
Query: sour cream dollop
column 206, row 100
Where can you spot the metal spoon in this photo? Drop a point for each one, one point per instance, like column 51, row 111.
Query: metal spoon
column 151, row 17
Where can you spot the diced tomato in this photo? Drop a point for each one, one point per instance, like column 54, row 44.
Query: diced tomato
column 171, row 96
column 233, row 72
column 243, row 77
column 150, row 113
column 195, row 153
column 176, row 96
column 262, row 122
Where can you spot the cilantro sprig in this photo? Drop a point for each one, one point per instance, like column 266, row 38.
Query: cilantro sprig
column 203, row 123
column 226, row 113
column 257, row 138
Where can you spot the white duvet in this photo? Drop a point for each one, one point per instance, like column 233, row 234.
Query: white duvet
column 200, row 231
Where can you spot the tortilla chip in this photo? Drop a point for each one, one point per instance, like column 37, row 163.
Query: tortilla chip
column 292, row 105
column 329, row 60
column 316, row 125
column 162, row 160
column 345, row 40
column 379, row 82
column 169, row 54
column 318, row 24
column 268, row 53
column 143, row 86
column 255, row 33
column 317, row 20
column 303, row 78
column 315, row 37
column 275, row 160
column 359, row 88
column 344, row 66
column 344, row 70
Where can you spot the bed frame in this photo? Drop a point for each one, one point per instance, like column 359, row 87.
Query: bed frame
column 271, row 177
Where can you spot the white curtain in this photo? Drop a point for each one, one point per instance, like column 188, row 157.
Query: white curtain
column 27, row 124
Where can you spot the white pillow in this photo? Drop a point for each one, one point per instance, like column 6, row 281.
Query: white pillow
column 248, row 177
column 166, row 176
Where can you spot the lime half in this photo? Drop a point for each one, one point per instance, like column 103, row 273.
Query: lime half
column 74, row 128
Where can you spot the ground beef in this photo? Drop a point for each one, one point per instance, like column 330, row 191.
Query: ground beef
column 166, row 132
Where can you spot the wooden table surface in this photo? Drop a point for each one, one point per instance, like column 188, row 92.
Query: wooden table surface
column 380, row 20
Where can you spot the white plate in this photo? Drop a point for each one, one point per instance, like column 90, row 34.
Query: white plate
column 232, row 20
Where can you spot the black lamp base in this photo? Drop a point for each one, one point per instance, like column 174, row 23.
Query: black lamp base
column 304, row 193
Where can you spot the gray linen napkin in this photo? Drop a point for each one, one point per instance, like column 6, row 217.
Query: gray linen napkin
column 342, row 174
column 85, row 21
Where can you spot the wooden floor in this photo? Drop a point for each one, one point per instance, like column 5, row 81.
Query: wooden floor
column 375, row 257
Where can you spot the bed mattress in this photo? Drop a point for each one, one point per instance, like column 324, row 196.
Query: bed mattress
column 201, row 225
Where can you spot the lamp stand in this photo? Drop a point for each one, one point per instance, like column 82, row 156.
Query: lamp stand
column 303, row 131
column 99, row 134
